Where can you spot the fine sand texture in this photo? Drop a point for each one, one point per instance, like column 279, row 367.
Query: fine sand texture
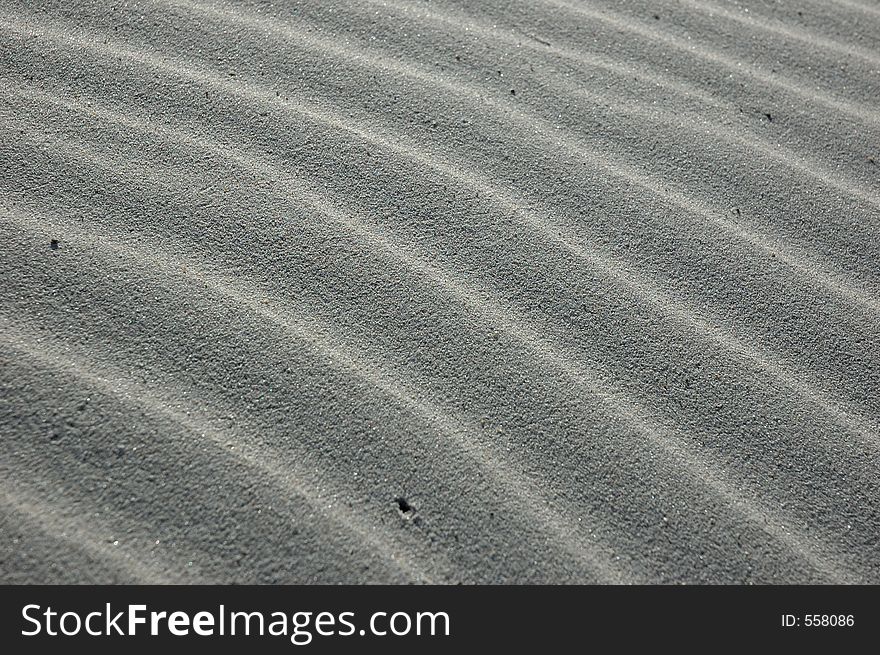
column 509, row 291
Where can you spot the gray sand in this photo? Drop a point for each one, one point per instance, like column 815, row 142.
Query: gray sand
column 386, row 291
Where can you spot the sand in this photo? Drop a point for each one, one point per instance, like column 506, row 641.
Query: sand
column 441, row 292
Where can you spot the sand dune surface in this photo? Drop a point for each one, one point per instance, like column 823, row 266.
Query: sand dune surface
column 514, row 291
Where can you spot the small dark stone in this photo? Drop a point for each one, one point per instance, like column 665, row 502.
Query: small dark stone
column 769, row 116
column 53, row 244
column 656, row 17
column 513, row 92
